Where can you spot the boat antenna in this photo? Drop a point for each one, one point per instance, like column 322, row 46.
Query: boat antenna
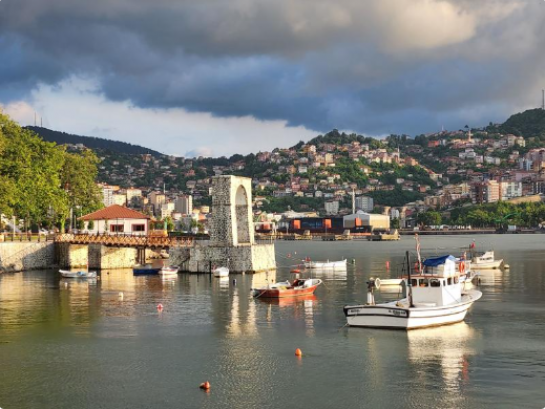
column 409, row 286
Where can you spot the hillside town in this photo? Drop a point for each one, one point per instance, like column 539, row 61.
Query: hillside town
column 336, row 175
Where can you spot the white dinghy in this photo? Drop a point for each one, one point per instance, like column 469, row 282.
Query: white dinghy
column 330, row 265
column 221, row 272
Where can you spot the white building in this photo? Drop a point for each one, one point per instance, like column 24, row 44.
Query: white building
column 332, row 207
column 167, row 209
column 116, row 219
column 365, row 203
column 184, row 204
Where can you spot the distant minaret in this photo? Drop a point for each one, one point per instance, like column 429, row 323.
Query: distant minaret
column 34, row 118
column 41, row 122
column 353, row 202
column 543, row 99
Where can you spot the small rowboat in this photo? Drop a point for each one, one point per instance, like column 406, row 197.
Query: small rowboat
column 145, row 269
column 221, row 272
column 78, row 274
column 169, row 271
column 296, row 288
column 326, row 264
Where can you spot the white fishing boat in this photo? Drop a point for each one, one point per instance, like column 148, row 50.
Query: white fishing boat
column 169, row 271
column 221, row 272
column 486, row 260
column 78, row 274
column 434, row 298
column 326, row 264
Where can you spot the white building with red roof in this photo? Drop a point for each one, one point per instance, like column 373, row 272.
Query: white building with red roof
column 117, row 219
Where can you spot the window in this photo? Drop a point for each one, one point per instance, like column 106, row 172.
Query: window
column 455, row 280
column 138, row 227
column 414, row 282
column 424, row 283
column 434, row 282
column 449, row 281
column 116, row 228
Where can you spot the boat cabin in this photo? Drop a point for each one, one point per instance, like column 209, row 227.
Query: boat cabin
column 438, row 285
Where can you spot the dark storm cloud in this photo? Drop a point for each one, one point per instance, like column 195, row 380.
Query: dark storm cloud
column 374, row 66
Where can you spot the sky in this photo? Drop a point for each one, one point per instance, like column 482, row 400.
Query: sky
column 218, row 77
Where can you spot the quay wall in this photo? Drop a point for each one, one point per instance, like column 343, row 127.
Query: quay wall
column 26, row 256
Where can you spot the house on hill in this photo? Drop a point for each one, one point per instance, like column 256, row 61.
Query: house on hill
column 116, row 219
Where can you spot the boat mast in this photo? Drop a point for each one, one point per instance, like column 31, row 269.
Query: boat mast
column 409, row 286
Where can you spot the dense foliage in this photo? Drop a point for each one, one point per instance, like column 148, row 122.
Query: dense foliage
column 40, row 182
column 500, row 214
column 396, row 197
column 90, row 141
column 528, row 123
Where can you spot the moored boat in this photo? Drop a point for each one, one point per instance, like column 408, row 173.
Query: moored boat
column 326, row 264
column 434, row 298
column 485, row 261
column 145, row 269
column 169, row 270
column 221, row 272
column 295, row 288
column 78, row 274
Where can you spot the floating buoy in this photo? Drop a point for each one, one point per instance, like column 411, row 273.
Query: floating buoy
column 387, row 264
column 295, row 271
column 289, row 255
column 159, row 307
column 121, row 295
column 205, row 385
column 234, row 281
column 298, row 352
column 353, row 261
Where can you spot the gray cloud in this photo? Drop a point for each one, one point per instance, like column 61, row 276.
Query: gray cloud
column 374, row 66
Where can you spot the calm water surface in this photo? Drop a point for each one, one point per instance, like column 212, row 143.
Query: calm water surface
column 77, row 344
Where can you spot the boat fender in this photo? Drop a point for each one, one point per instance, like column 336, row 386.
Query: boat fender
column 462, row 267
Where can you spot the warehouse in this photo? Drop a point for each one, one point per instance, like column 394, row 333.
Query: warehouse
column 366, row 222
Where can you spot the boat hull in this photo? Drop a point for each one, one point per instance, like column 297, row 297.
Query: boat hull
column 392, row 317
column 486, row 265
column 78, row 274
column 145, row 271
column 326, row 264
column 278, row 293
column 221, row 272
column 168, row 272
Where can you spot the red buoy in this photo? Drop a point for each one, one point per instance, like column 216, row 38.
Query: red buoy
column 295, row 271
column 298, row 352
column 205, row 385
column 159, row 307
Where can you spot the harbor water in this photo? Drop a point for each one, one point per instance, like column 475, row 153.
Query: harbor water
column 69, row 343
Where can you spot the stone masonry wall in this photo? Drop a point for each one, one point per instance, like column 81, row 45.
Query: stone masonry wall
column 26, row 256
column 104, row 257
column 243, row 258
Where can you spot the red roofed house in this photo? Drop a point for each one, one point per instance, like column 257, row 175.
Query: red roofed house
column 117, row 219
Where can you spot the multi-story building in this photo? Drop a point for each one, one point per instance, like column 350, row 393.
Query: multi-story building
column 364, row 203
column 184, row 204
column 332, row 207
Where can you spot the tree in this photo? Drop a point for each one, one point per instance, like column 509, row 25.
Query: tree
column 429, row 218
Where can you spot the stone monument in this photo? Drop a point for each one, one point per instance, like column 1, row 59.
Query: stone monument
column 232, row 242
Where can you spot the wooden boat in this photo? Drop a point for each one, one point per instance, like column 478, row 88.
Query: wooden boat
column 169, row 270
column 485, row 261
column 78, row 274
column 221, row 272
column 326, row 264
column 146, row 269
column 434, row 298
column 296, row 288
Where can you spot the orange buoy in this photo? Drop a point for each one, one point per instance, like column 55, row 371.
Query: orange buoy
column 298, row 352
column 387, row 264
column 160, row 307
column 205, row 385
column 295, row 271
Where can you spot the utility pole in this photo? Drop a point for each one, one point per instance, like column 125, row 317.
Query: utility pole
column 543, row 99
column 353, row 202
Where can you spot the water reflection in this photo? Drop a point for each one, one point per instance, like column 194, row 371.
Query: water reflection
column 445, row 348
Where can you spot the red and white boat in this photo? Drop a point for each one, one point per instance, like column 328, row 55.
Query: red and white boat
column 296, row 288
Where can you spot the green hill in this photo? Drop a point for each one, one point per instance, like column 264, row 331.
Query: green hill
column 62, row 138
column 527, row 124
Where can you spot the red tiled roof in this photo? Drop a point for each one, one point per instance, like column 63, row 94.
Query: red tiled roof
column 114, row 212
